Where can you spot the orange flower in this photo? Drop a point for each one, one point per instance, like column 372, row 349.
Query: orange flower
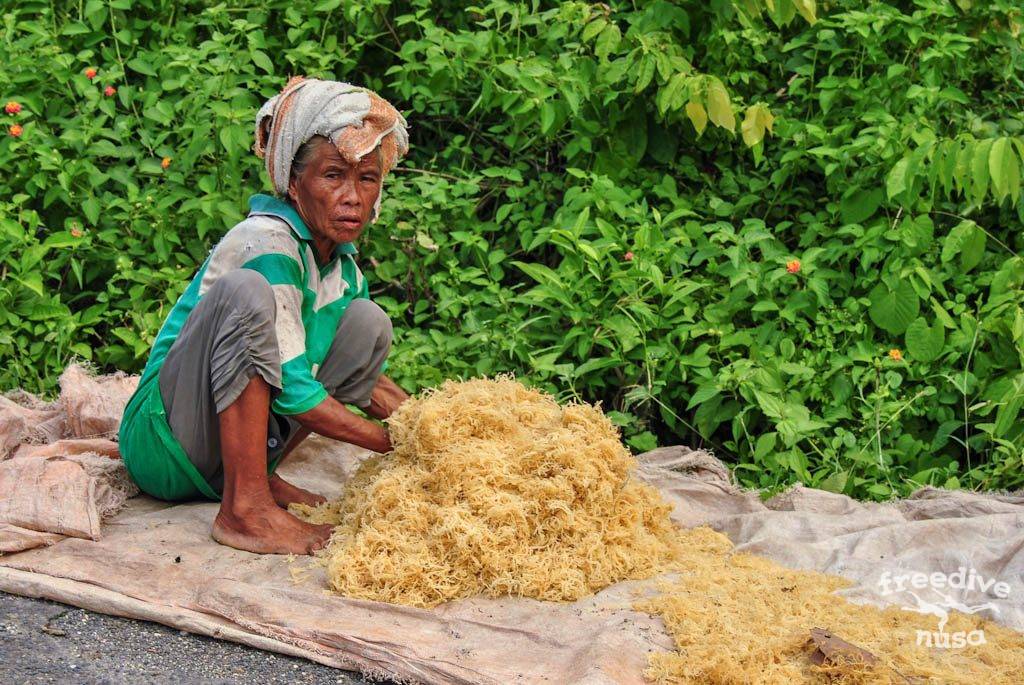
column 628, row 256
column 16, row 130
column 793, row 266
column 90, row 73
column 895, row 355
column 109, row 91
column 165, row 162
column 12, row 107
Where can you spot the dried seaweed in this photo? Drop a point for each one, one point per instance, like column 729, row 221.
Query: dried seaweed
column 494, row 489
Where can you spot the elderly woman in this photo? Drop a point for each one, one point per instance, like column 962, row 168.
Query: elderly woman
column 276, row 332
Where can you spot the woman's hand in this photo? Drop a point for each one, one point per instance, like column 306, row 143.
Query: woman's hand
column 333, row 419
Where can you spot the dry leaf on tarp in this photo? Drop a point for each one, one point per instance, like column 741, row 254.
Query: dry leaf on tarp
column 834, row 649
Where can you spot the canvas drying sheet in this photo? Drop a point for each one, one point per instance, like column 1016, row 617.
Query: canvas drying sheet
column 69, row 532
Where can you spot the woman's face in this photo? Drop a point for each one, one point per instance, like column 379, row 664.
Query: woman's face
column 336, row 198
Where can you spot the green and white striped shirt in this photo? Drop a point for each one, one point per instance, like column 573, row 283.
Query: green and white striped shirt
column 274, row 241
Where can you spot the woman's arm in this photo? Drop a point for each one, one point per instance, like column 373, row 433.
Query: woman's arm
column 333, row 419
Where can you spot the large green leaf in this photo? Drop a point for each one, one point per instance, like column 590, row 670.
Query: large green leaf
column 698, row 116
column 607, row 41
column 807, row 9
column 967, row 240
column 899, row 179
column 973, row 248
column 719, row 107
column 861, row 204
column 261, row 60
column 924, row 342
column 142, row 66
column 1004, row 170
column 980, row 170
column 893, row 310
column 756, row 123
column 91, row 208
column 1010, row 406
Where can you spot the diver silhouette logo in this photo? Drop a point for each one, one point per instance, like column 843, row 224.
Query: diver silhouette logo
column 961, row 579
column 941, row 609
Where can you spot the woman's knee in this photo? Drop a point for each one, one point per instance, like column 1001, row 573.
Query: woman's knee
column 246, row 290
column 368, row 318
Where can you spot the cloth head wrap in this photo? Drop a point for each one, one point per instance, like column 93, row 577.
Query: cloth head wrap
column 355, row 119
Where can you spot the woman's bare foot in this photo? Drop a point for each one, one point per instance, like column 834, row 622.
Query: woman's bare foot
column 284, row 493
column 268, row 529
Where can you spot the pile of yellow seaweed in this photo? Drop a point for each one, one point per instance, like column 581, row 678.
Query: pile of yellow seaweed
column 493, row 488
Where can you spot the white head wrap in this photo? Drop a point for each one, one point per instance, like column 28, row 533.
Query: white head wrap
column 355, row 119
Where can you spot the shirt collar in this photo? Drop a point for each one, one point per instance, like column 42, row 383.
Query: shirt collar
column 261, row 204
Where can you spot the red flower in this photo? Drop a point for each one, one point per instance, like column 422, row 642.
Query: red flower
column 628, row 256
column 793, row 266
column 109, row 91
column 90, row 73
column 165, row 162
column 16, row 130
column 12, row 107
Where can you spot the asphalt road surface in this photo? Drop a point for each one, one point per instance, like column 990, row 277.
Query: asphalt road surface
column 46, row 642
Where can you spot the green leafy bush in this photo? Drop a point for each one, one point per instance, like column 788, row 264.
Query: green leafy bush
column 786, row 232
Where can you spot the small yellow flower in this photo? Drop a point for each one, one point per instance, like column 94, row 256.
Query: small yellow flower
column 895, row 355
column 165, row 162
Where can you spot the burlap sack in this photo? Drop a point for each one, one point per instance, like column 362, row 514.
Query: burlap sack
column 61, row 473
column 49, row 495
column 25, row 419
column 93, row 405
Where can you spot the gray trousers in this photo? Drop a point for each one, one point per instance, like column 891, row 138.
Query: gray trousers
column 229, row 338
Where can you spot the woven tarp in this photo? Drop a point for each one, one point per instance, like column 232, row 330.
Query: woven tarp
column 158, row 562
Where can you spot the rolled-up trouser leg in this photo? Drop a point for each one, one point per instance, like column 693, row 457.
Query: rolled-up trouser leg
column 227, row 339
column 354, row 361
